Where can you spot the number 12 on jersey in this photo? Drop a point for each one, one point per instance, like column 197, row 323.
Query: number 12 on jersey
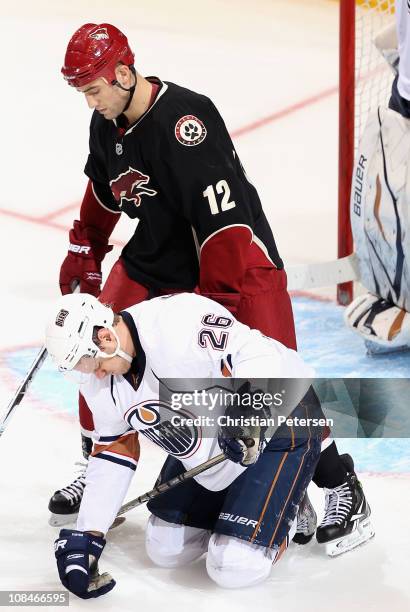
column 221, row 187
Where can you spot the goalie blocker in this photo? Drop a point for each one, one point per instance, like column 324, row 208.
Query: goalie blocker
column 380, row 204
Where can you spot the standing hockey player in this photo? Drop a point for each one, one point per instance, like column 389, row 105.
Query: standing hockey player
column 125, row 357
column 161, row 153
column 380, row 205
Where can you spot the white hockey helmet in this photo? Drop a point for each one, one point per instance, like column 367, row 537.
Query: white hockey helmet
column 70, row 338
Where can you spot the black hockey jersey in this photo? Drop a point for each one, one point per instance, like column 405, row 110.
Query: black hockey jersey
column 177, row 171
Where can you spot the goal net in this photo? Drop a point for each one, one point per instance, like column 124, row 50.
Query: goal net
column 365, row 83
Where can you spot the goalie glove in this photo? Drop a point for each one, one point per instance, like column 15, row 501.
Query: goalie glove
column 77, row 555
column 241, row 435
column 88, row 247
column 379, row 321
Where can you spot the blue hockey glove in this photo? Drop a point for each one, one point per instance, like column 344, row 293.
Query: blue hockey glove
column 240, row 442
column 236, row 449
column 77, row 555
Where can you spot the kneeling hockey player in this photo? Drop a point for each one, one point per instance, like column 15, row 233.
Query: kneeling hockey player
column 242, row 512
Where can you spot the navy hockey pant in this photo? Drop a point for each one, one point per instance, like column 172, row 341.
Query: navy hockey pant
column 259, row 506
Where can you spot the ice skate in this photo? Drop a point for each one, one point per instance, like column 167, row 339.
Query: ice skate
column 65, row 503
column 306, row 522
column 346, row 523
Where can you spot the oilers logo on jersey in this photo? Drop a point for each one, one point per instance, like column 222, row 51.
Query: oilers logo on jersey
column 178, row 440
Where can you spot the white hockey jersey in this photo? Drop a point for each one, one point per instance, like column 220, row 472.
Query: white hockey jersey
column 179, row 336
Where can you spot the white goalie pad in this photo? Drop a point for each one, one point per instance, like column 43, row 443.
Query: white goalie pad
column 380, row 207
column 379, row 321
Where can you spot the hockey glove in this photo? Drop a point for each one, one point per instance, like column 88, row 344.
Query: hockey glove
column 77, row 555
column 239, row 441
column 88, row 247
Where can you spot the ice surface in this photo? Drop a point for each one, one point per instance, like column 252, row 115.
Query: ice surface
column 256, row 60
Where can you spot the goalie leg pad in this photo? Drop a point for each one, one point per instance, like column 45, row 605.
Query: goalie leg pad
column 380, row 205
column 380, row 322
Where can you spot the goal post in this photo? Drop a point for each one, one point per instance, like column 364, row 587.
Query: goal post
column 347, row 27
column 364, row 83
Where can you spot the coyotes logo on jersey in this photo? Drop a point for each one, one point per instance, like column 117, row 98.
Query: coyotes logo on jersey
column 129, row 186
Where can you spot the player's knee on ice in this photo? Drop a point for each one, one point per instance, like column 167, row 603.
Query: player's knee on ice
column 171, row 545
column 234, row 563
column 231, row 562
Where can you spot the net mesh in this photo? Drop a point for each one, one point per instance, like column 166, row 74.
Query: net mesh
column 373, row 74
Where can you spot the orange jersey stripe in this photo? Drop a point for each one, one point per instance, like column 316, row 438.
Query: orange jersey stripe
column 126, row 446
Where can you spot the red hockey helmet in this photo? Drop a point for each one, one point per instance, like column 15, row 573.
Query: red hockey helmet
column 94, row 51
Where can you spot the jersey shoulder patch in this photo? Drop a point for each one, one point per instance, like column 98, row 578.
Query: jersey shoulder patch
column 186, row 116
column 190, row 130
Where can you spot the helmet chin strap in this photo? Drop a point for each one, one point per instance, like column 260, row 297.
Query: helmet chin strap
column 130, row 89
column 124, row 355
column 118, row 351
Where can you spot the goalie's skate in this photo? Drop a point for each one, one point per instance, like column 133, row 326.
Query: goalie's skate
column 65, row 503
column 346, row 523
column 306, row 522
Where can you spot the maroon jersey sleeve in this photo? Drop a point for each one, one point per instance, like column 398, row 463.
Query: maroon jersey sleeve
column 93, row 213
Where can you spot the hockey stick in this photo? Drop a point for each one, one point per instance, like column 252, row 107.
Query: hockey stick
column 171, row 484
column 21, row 391
column 312, row 276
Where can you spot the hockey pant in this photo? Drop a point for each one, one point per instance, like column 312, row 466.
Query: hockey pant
column 244, row 528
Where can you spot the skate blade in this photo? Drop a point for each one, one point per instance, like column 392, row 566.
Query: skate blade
column 59, row 520
column 302, row 539
column 119, row 520
column 360, row 535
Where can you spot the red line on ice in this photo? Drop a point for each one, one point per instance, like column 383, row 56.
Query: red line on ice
column 60, row 211
column 44, row 221
column 284, row 112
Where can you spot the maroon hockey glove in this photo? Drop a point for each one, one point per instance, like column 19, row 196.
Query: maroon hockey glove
column 87, row 249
